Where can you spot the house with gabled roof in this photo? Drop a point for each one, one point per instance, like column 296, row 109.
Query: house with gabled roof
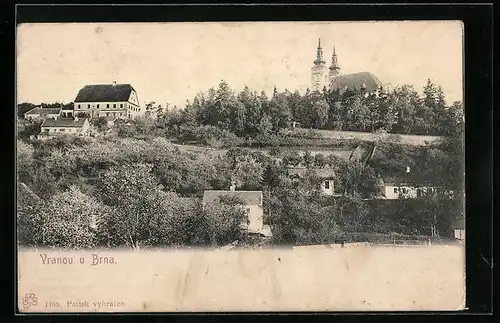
column 61, row 126
column 39, row 113
column 326, row 175
column 253, row 205
column 108, row 100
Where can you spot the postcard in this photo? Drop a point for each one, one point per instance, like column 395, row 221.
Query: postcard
column 240, row 167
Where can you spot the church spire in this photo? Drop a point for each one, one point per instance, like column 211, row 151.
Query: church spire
column 334, row 68
column 335, row 64
column 319, row 54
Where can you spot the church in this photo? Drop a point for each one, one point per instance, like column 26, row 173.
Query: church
column 330, row 77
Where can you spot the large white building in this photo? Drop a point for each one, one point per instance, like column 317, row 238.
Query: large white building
column 107, row 100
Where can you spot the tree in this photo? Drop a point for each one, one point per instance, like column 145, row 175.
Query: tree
column 224, row 219
column 100, row 123
column 319, row 160
column 308, row 159
column 320, row 113
column 135, row 201
column 73, row 220
column 29, row 128
column 25, row 160
column 248, row 172
column 264, row 128
column 405, row 104
column 253, row 111
column 24, row 107
column 299, row 219
column 292, row 158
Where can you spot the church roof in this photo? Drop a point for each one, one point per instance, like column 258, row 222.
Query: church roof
column 355, row 81
column 104, row 93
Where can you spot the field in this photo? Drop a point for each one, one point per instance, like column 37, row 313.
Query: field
column 324, row 277
column 367, row 136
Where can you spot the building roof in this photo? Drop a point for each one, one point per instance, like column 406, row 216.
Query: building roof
column 104, row 93
column 356, row 81
column 250, row 197
column 320, row 172
column 64, row 122
column 43, row 111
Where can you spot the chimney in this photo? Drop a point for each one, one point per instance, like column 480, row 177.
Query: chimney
column 114, row 83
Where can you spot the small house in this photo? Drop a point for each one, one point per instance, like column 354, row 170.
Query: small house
column 63, row 126
column 325, row 175
column 252, row 205
column 393, row 191
column 459, row 228
column 39, row 113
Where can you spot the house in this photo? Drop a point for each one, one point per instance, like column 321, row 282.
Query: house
column 77, row 126
column 326, row 175
column 108, row 100
column 459, row 228
column 39, row 113
column 252, row 204
column 393, row 191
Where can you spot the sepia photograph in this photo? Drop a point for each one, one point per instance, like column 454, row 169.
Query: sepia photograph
column 240, row 166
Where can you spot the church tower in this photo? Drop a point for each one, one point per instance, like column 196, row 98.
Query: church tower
column 319, row 72
column 334, row 68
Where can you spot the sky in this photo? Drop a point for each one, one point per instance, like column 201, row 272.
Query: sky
column 172, row 62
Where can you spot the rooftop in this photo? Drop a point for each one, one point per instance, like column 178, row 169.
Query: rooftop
column 104, row 93
column 43, row 111
column 64, row 122
column 356, row 81
column 250, row 197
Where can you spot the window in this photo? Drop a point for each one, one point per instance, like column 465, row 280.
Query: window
column 78, row 106
column 97, row 106
column 327, row 185
column 62, row 129
column 121, row 105
column 114, row 106
column 107, row 114
column 88, row 106
column 396, row 191
column 107, row 105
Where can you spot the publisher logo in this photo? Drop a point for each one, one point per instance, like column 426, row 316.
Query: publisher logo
column 29, row 300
